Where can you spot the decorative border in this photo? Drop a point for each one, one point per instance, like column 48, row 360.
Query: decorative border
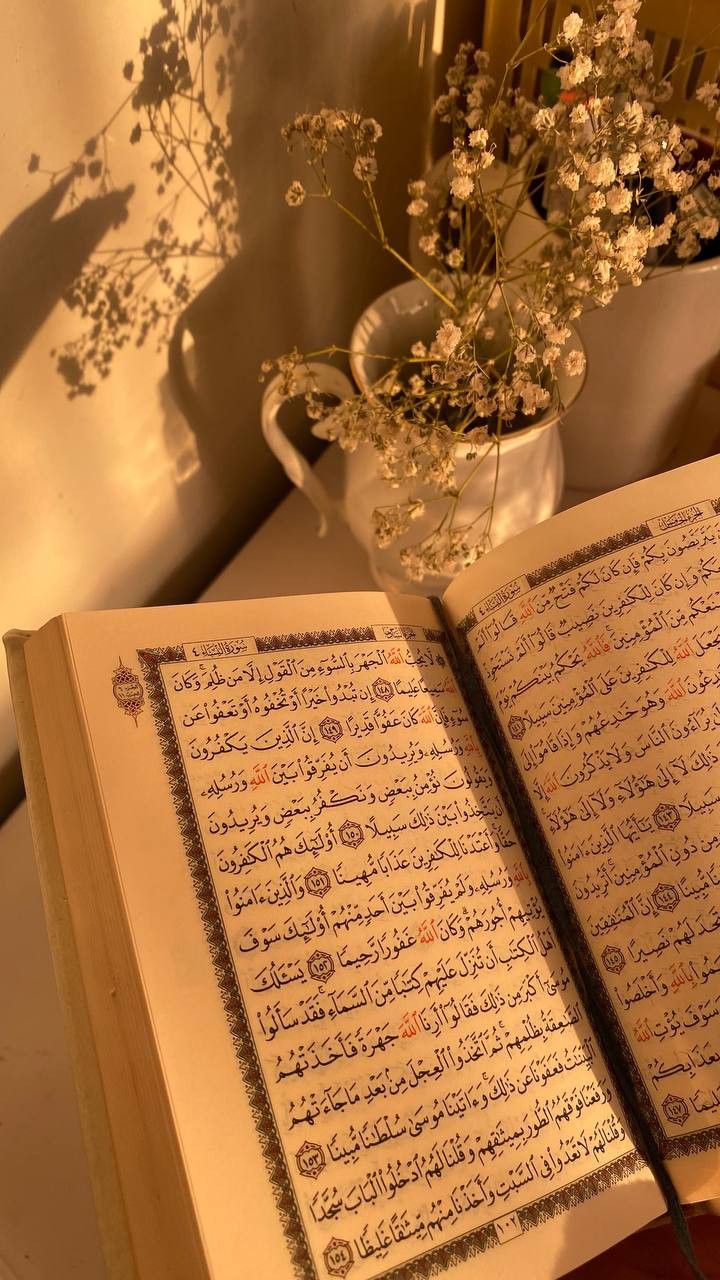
column 288, row 1209
column 583, row 555
column 309, row 639
column 442, row 1256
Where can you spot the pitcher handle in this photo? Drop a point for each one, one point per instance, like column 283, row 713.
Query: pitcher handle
column 327, row 380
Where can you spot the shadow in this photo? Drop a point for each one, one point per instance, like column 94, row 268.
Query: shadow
column 41, row 255
column 301, row 277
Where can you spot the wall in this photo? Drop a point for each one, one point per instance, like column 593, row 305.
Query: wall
column 113, row 500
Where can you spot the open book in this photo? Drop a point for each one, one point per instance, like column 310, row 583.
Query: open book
column 390, row 930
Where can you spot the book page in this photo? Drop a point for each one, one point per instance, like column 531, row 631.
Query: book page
column 375, row 1054
column 598, row 639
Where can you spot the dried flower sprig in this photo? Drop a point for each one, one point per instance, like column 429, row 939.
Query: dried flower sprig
column 627, row 191
column 179, row 83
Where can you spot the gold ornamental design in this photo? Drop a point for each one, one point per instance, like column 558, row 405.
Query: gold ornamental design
column 127, row 690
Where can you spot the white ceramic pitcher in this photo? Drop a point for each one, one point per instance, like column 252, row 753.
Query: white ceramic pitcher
column 530, row 479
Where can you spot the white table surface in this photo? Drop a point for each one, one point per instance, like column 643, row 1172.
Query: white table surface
column 48, row 1229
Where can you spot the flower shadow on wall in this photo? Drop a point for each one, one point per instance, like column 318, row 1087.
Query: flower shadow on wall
column 40, row 257
column 222, row 262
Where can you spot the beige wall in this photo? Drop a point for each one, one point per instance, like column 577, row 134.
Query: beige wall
column 104, row 500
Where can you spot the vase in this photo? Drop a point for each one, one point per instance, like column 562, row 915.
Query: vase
column 530, row 475
column 649, row 353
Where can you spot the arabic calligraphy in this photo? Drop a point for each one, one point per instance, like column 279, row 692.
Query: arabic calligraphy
column 427, row 1062
column 607, row 677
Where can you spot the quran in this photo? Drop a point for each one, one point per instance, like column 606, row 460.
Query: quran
column 389, row 928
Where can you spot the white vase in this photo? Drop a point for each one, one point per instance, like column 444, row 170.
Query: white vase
column 530, row 478
column 648, row 353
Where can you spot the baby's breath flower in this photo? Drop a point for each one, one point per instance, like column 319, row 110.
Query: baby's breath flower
column 569, row 177
column 574, row 363
column 543, row 120
column 365, row 168
column 506, row 344
column 556, row 333
column 618, row 200
column 629, row 161
column 632, row 117
column 447, row 338
column 429, row 244
column 525, row 353
column 295, row 194
column 575, row 72
column 601, row 173
column 708, row 94
column 462, row 186
column 572, row 26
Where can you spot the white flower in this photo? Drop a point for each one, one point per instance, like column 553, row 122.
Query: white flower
column 625, row 27
column 569, row 177
column 429, row 244
column 543, row 120
column 618, row 199
column 589, row 224
column 557, row 333
column 525, row 353
column 574, row 363
column 708, row 94
column 579, row 114
column 601, row 172
column 462, row 186
column 479, row 138
column 551, row 355
column 629, row 161
column 534, row 396
column 365, row 168
column 417, row 207
column 455, row 258
column 632, row 117
column 708, row 227
column 576, row 71
column 572, row 26
column 631, row 245
column 447, row 338
column 295, row 194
